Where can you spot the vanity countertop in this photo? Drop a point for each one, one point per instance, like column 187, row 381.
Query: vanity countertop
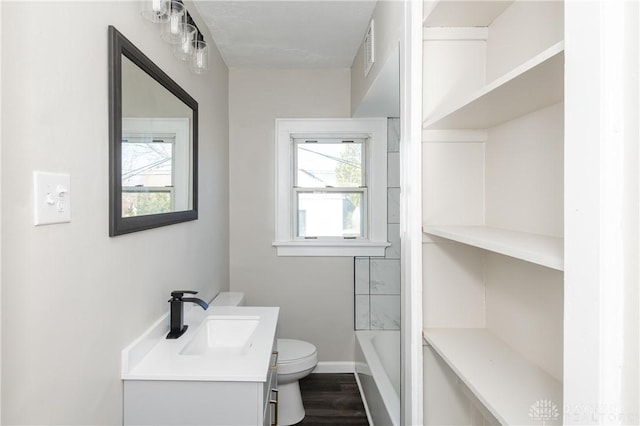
column 153, row 357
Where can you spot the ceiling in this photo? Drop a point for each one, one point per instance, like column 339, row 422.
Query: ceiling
column 287, row 34
column 461, row 13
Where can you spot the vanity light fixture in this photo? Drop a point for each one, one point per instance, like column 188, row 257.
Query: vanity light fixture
column 178, row 28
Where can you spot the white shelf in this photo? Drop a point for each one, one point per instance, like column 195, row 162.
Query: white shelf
column 505, row 383
column 539, row 249
column 537, row 83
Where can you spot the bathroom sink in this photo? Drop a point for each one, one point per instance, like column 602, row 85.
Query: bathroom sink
column 222, row 344
column 223, row 335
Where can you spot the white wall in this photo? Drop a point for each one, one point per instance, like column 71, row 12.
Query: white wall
column 315, row 295
column 0, row 216
column 524, row 171
column 523, row 30
column 601, row 213
column 72, row 296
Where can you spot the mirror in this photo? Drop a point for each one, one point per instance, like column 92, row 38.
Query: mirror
column 153, row 140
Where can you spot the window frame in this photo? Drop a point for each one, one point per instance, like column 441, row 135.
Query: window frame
column 297, row 189
column 374, row 133
column 155, row 138
column 168, row 127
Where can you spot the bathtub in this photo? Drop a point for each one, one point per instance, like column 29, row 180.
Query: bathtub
column 378, row 375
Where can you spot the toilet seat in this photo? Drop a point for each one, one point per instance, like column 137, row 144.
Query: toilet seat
column 295, row 356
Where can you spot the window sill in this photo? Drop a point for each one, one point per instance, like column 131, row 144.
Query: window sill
column 330, row 248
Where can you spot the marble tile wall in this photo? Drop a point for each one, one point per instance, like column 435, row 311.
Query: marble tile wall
column 377, row 279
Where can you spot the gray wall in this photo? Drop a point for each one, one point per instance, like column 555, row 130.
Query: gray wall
column 315, row 294
column 73, row 298
column 388, row 19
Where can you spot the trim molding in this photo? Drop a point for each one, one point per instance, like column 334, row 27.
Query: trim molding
column 460, row 135
column 373, row 128
column 331, row 248
column 325, row 367
column 455, row 33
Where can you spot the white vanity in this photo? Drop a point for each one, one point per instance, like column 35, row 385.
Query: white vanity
column 222, row 371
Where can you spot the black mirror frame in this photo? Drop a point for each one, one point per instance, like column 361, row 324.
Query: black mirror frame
column 119, row 45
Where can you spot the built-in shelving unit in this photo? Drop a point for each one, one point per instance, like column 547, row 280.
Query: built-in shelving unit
column 507, row 384
column 533, row 85
column 493, row 183
column 539, row 249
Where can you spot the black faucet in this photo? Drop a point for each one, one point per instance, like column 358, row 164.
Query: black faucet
column 177, row 328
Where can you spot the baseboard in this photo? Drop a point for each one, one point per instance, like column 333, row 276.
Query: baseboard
column 335, row 367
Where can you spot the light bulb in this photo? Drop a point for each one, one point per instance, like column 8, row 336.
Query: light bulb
column 154, row 10
column 174, row 23
column 184, row 48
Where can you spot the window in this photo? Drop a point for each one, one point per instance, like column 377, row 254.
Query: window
column 155, row 165
column 331, row 187
column 147, row 174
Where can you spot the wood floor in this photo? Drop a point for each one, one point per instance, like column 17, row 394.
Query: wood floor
column 332, row 399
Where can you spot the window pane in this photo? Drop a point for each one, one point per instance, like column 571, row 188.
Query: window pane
column 329, row 165
column 146, row 163
column 330, row 214
column 142, row 203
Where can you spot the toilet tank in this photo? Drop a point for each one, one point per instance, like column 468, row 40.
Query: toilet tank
column 228, row 298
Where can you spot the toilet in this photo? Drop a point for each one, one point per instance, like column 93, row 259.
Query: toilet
column 296, row 359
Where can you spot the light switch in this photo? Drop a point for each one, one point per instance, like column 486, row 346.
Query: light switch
column 52, row 198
